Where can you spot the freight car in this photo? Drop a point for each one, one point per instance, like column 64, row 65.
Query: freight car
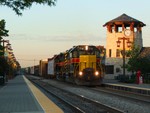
column 81, row 64
column 43, row 68
column 51, row 67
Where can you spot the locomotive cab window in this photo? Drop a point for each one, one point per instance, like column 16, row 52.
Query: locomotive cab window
column 82, row 53
column 75, row 54
column 70, row 55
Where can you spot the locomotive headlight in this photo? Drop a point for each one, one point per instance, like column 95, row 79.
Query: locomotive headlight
column 80, row 73
column 96, row 73
column 86, row 48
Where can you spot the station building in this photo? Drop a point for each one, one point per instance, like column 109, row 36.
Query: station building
column 122, row 32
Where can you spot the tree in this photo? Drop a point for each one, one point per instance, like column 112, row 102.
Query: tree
column 144, row 65
column 3, row 31
column 3, row 62
column 20, row 5
column 136, row 62
column 133, row 63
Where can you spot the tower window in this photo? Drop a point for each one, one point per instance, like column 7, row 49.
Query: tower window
column 110, row 52
column 120, row 29
column 135, row 29
column 109, row 69
column 117, row 53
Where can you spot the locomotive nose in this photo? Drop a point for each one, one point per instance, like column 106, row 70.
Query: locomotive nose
column 88, row 73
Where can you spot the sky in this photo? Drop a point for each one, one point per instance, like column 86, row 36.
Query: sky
column 43, row 31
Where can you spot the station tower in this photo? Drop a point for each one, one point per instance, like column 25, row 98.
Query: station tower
column 122, row 32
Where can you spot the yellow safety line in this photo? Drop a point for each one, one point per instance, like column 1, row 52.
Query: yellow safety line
column 45, row 102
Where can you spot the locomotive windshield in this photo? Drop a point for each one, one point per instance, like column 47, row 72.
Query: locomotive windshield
column 85, row 50
column 89, row 50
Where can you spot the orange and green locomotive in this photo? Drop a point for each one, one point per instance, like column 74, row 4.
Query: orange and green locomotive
column 82, row 64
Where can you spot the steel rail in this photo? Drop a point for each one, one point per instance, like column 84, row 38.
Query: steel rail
column 71, row 106
column 105, row 107
column 126, row 95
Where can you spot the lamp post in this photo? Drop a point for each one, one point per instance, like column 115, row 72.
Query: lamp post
column 128, row 42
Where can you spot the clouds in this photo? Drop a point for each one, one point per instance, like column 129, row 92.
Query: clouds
column 55, row 38
column 44, row 31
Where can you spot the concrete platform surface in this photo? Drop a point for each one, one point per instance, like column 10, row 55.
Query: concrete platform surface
column 18, row 96
column 112, row 81
column 132, row 87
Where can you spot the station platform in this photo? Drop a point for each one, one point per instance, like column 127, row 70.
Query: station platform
column 131, row 87
column 19, row 95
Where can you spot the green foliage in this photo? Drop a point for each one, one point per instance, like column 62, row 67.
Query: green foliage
column 3, row 62
column 137, row 63
column 1, row 50
column 19, row 5
column 146, row 78
column 132, row 78
column 3, row 66
column 133, row 64
column 3, row 31
column 144, row 65
column 127, row 78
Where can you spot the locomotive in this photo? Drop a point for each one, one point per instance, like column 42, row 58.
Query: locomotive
column 82, row 65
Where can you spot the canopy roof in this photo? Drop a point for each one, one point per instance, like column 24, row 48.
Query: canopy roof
column 125, row 19
column 145, row 52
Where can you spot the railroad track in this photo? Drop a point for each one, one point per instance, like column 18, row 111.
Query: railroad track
column 127, row 95
column 73, row 108
column 78, row 103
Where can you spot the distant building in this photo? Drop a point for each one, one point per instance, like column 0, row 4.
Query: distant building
column 121, row 28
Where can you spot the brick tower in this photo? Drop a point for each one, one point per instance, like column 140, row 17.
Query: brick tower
column 121, row 33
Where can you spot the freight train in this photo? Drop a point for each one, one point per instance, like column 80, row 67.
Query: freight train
column 82, row 65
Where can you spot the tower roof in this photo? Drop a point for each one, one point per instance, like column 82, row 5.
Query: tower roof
column 125, row 19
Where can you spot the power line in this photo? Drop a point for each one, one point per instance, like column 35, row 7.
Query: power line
column 28, row 60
